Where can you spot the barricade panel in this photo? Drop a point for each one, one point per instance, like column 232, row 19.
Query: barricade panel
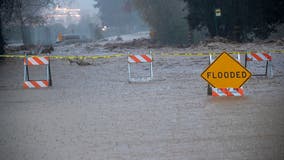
column 141, row 58
column 261, row 57
column 219, row 92
column 36, row 61
column 36, row 84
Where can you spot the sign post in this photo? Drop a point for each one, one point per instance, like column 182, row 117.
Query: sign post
column 226, row 72
column 217, row 14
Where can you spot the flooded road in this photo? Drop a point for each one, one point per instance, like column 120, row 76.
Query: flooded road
column 92, row 112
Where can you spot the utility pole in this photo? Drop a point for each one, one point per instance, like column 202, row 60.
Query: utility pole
column 217, row 14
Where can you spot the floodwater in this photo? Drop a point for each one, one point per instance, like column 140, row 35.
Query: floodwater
column 92, row 112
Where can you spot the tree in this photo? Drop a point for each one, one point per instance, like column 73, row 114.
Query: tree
column 29, row 12
column 22, row 13
column 6, row 10
column 111, row 11
column 166, row 18
column 119, row 14
column 239, row 17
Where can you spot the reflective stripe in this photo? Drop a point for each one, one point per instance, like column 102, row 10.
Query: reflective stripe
column 34, row 61
column 143, row 58
column 29, row 85
column 41, row 84
column 45, row 60
column 219, row 92
column 35, row 84
column 234, row 92
column 259, row 57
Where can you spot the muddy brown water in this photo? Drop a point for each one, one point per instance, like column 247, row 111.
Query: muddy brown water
column 92, row 112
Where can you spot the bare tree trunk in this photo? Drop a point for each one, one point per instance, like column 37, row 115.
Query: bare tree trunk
column 22, row 23
column 24, row 33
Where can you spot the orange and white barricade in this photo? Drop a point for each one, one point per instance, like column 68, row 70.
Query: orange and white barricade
column 218, row 92
column 136, row 59
column 36, row 61
column 221, row 92
column 260, row 57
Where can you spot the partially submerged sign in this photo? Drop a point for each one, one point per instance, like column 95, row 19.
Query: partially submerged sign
column 226, row 72
column 218, row 12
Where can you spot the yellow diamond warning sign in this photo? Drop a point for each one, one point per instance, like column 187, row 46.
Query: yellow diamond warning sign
column 226, row 72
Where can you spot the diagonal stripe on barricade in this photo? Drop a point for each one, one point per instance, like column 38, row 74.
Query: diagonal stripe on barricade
column 148, row 58
column 267, row 56
column 134, row 58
